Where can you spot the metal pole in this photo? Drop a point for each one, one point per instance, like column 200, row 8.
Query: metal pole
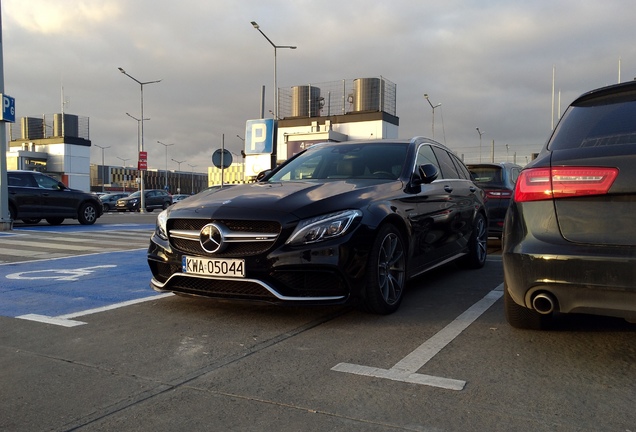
column 480, row 134
column 102, row 170
column 178, row 174
column 142, row 206
column 166, row 146
column 5, row 217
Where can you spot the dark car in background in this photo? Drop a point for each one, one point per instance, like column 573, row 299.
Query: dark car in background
column 34, row 196
column 153, row 199
column 110, row 199
column 569, row 243
column 498, row 181
column 337, row 223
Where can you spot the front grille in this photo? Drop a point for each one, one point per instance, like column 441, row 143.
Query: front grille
column 234, row 249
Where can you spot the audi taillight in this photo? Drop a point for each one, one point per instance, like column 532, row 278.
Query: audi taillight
column 536, row 184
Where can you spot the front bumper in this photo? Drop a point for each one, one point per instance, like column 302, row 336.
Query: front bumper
column 330, row 273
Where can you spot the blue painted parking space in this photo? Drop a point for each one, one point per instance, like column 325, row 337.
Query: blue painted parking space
column 70, row 285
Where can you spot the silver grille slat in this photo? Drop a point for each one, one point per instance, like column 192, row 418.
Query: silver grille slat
column 228, row 236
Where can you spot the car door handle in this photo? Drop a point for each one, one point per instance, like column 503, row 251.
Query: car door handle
column 448, row 188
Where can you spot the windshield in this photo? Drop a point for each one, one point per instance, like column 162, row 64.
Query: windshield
column 345, row 161
column 134, row 194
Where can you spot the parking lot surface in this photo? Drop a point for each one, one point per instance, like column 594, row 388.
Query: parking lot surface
column 135, row 361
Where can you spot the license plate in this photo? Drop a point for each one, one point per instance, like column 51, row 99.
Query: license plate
column 213, row 267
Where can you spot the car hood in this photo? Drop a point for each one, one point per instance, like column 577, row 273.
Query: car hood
column 284, row 201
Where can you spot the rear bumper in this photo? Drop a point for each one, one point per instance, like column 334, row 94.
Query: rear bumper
column 590, row 279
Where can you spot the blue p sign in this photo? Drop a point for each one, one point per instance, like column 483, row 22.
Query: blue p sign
column 8, row 109
column 259, row 136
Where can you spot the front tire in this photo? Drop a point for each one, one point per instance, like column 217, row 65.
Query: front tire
column 386, row 272
column 87, row 214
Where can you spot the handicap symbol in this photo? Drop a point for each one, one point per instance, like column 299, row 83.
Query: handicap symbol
column 58, row 274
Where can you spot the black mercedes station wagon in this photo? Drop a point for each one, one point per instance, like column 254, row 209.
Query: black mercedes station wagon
column 569, row 243
column 338, row 223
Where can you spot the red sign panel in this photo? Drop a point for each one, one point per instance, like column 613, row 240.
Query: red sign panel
column 143, row 156
column 142, row 165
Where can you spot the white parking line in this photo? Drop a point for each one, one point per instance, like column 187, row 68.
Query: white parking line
column 406, row 369
column 67, row 321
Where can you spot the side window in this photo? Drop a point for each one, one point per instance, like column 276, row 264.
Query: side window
column 425, row 155
column 461, row 168
column 446, row 165
column 46, row 182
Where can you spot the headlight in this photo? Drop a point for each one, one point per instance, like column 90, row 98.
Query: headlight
column 323, row 227
column 160, row 229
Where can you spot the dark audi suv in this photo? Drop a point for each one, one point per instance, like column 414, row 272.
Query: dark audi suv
column 34, row 196
column 569, row 241
column 338, row 222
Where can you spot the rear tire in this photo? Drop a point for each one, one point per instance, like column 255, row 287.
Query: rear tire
column 523, row 318
column 386, row 272
column 477, row 245
column 55, row 220
column 32, row 221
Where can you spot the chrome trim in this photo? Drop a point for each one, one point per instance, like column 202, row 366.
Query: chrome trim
column 158, row 286
column 228, row 236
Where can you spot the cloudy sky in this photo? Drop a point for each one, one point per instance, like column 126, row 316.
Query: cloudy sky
column 489, row 63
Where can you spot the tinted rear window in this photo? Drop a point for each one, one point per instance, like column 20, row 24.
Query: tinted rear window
column 589, row 125
column 487, row 175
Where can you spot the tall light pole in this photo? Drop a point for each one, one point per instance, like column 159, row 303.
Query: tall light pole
column 166, row 146
column 178, row 174
column 103, row 148
column 276, row 47
column 142, row 205
column 480, row 134
column 138, row 128
column 433, row 108
column 192, row 174
column 123, row 162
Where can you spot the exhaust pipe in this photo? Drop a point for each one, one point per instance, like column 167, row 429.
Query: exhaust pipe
column 544, row 303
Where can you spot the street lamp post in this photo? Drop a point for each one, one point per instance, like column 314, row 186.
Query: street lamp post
column 123, row 161
column 138, row 128
column 166, row 146
column 192, row 174
column 256, row 26
column 102, row 170
column 178, row 174
column 480, row 134
column 142, row 206
column 433, row 108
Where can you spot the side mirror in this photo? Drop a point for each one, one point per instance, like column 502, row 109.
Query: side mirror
column 427, row 174
column 261, row 175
